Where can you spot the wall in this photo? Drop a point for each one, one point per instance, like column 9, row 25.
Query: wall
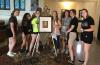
column 5, row 14
column 91, row 5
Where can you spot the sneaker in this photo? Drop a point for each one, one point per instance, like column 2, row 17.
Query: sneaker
column 63, row 50
column 37, row 52
column 58, row 51
column 14, row 53
column 66, row 52
column 26, row 51
column 71, row 62
column 28, row 54
column 10, row 54
column 21, row 51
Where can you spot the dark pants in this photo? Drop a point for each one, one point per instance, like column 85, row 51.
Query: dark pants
column 57, row 42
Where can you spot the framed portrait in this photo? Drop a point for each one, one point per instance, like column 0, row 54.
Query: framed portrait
column 34, row 4
column 45, row 24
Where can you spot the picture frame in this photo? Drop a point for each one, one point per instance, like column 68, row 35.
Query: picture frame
column 34, row 4
column 45, row 24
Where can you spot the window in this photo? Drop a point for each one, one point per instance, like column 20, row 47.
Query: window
column 19, row 4
column 4, row 4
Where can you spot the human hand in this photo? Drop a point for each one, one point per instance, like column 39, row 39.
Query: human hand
column 81, row 30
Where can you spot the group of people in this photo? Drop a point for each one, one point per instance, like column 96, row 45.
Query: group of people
column 65, row 27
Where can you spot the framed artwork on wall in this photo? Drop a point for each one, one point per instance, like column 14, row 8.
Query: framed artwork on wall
column 45, row 24
column 34, row 4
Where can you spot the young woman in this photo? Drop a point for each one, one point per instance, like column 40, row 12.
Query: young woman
column 65, row 25
column 56, row 29
column 72, row 34
column 35, row 32
column 26, row 24
column 12, row 29
column 87, row 26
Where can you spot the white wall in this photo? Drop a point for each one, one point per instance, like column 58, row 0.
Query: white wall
column 93, row 7
column 5, row 14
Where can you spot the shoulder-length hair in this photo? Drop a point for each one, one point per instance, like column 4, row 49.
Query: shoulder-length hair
column 12, row 14
column 86, row 12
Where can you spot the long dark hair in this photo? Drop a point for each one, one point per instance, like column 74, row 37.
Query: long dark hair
column 25, row 17
column 56, row 19
column 74, row 11
column 63, row 14
column 12, row 14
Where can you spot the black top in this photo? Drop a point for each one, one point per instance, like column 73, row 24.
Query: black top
column 74, row 22
column 13, row 19
column 26, row 25
column 86, row 23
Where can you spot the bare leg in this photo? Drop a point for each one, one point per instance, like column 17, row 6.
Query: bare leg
column 71, row 40
column 27, row 41
column 32, row 43
column 86, row 52
column 63, row 45
column 70, row 46
column 38, row 38
column 24, row 40
column 12, row 42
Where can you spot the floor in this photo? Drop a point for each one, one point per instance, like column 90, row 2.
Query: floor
column 45, row 57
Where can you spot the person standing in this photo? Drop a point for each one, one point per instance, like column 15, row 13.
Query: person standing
column 72, row 34
column 87, row 28
column 26, row 28
column 65, row 26
column 12, row 31
column 35, row 32
column 56, row 30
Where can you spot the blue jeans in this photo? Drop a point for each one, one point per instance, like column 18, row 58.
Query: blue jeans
column 57, row 42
